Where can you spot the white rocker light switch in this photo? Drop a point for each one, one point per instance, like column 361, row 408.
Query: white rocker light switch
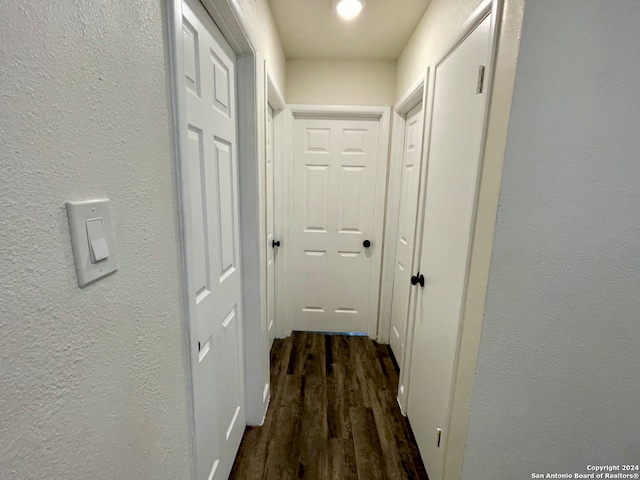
column 97, row 244
column 92, row 239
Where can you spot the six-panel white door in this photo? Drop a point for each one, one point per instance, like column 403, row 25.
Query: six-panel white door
column 272, row 246
column 454, row 158
column 210, row 196
column 411, row 161
column 334, row 188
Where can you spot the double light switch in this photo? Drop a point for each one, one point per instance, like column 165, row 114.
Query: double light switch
column 92, row 239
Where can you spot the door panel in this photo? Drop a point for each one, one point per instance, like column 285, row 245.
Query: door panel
column 454, row 155
column 272, row 251
column 210, row 197
column 411, row 161
column 335, row 171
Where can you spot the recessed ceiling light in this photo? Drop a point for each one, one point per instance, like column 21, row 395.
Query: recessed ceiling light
column 349, row 9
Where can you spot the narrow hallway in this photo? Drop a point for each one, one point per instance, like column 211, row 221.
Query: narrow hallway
column 333, row 415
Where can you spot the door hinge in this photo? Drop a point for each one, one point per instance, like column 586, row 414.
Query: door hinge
column 439, row 430
column 480, row 85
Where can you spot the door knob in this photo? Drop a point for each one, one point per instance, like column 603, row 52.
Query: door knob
column 366, row 244
column 275, row 243
column 417, row 279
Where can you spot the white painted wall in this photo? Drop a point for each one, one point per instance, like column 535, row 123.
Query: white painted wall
column 340, row 82
column 558, row 379
column 441, row 22
column 92, row 381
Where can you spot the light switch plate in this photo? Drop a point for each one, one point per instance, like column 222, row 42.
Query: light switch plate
column 79, row 213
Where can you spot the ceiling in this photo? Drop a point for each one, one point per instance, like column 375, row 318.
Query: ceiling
column 311, row 29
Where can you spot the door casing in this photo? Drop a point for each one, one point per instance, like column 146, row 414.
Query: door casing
column 275, row 99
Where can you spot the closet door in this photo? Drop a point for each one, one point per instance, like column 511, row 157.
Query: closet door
column 209, row 174
column 453, row 163
column 405, row 243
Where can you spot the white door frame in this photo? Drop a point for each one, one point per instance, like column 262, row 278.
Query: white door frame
column 281, row 218
column 415, row 94
column 284, row 213
column 348, row 111
column 225, row 16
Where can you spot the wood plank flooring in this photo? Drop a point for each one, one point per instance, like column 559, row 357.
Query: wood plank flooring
column 333, row 415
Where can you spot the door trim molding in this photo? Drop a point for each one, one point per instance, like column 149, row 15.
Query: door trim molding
column 226, row 16
column 382, row 114
column 284, row 200
column 416, row 94
column 282, row 212
column 358, row 111
column 274, row 96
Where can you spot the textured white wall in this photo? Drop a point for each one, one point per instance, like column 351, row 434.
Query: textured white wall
column 340, row 82
column 261, row 28
column 440, row 23
column 91, row 381
column 558, row 378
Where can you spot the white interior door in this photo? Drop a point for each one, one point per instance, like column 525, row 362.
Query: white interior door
column 272, row 242
column 411, row 161
column 210, row 196
column 454, row 157
column 334, row 197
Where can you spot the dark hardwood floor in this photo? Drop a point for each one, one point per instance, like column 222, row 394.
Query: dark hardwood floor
column 333, row 415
